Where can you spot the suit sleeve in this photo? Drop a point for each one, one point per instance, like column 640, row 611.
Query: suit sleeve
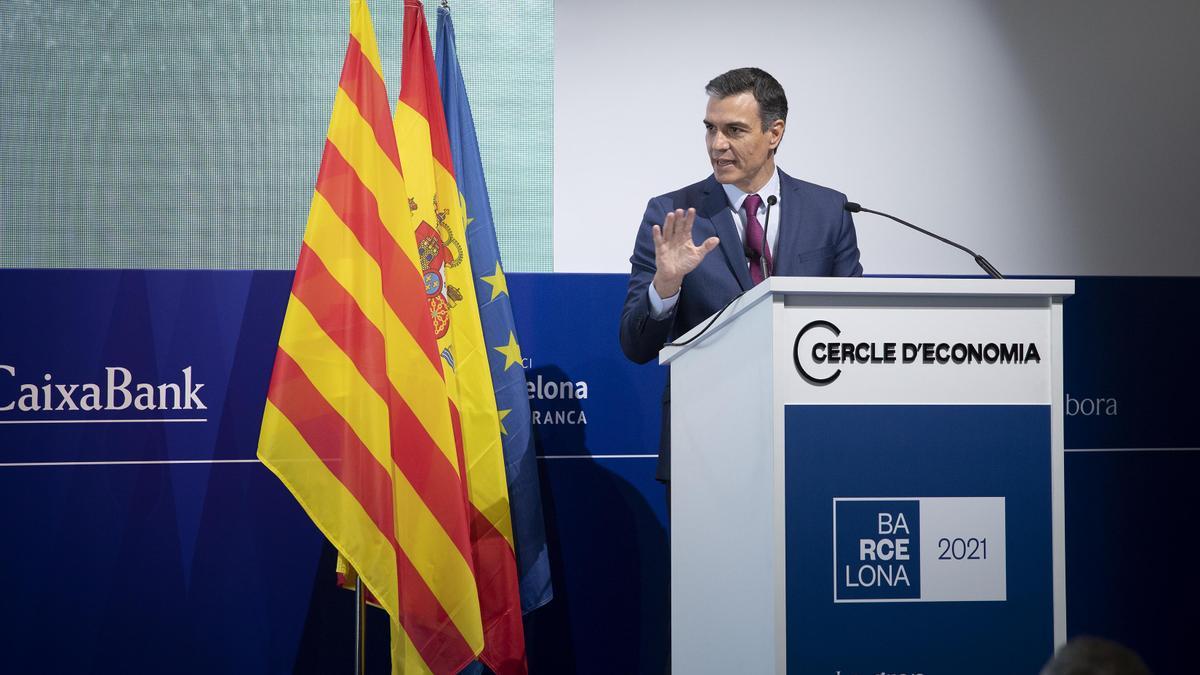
column 641, row 335
column 845, row 262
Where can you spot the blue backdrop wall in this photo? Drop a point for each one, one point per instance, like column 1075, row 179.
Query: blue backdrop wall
column 151, row 540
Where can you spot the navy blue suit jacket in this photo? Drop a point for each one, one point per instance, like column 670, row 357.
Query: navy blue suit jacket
column 816, row 239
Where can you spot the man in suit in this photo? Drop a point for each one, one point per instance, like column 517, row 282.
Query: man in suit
column 700, row 246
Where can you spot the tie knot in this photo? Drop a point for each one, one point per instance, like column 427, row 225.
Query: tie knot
column 752, row 203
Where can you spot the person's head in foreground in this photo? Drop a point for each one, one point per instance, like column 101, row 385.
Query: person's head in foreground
column 1094, row 656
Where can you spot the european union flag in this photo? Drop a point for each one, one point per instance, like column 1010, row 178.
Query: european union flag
column 499, row 331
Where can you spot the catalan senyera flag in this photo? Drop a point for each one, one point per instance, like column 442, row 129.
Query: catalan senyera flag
column 438, row 225
column 499, row 328
column 357, row 422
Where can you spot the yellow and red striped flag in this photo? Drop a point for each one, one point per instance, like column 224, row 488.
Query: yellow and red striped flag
column 358, row 423
column 439, row 223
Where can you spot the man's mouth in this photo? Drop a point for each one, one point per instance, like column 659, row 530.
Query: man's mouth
column 723, row 163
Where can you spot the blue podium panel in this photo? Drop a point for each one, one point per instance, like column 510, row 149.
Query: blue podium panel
column 918, row 538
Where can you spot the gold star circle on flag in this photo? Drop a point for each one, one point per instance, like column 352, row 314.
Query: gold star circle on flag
column 511, row 351
column 498, row 282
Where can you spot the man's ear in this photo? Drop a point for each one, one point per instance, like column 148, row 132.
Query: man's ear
column 776, row 131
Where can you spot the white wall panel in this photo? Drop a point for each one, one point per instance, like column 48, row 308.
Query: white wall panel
column 1055, row 139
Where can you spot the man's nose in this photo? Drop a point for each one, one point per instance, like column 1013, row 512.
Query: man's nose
column 720, row 141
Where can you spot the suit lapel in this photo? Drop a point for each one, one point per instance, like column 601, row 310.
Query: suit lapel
column 715, row 209
column 789, row 223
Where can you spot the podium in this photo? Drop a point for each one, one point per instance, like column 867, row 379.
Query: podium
column 867, row 477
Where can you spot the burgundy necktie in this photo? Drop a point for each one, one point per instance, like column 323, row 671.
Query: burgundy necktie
column 756, row 246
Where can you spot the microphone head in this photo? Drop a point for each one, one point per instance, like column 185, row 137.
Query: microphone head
column 771, row 201
column 853, row 207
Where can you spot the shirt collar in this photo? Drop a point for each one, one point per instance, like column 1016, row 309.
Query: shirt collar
column 736, row 196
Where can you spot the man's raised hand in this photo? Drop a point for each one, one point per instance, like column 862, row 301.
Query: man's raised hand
column 674, row 252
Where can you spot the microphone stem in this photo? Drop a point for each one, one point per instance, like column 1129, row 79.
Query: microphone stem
column 979, row 260
column 766, row 242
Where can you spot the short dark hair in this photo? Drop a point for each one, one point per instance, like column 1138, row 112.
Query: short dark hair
column 1095, row 656
column 772, row 102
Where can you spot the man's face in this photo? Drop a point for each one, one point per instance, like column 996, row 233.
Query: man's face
column 739, row 149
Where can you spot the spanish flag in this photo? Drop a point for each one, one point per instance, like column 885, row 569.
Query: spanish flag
column 358, row 423
column 440, row 230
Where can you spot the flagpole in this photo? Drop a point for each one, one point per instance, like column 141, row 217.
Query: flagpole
column 360, row 628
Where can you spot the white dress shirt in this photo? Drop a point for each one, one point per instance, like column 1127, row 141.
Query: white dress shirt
column 660, row 307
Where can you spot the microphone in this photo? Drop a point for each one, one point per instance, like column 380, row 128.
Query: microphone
column 766, row 241
column 853, row 207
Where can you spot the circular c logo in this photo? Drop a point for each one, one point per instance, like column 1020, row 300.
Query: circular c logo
column 811, row 379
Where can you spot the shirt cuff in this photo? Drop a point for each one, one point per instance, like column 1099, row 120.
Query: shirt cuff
column 661, row 307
